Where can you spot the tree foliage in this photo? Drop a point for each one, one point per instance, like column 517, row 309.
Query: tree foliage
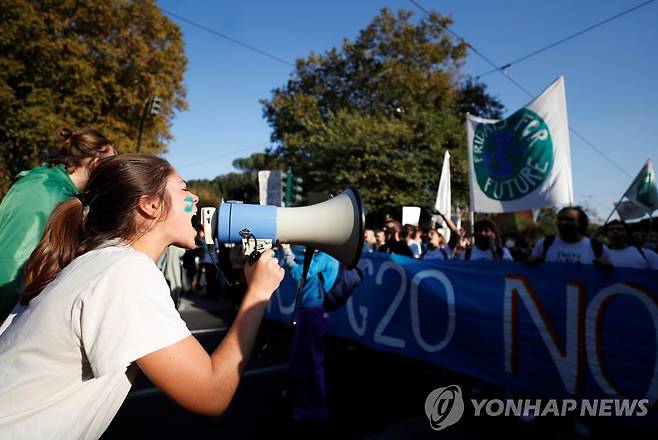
column 379, row 113
column 257, row 161
column 231, row 186
column 83, row 63
column 238, row 186
column 546, row 221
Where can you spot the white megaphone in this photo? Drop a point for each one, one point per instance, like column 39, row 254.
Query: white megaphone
column 334, row 226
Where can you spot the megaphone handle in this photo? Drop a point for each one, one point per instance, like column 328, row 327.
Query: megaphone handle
column 253, row 257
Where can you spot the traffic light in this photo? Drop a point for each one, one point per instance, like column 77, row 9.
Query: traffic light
column 293, row 187
column 156, row 106
column 297, row 190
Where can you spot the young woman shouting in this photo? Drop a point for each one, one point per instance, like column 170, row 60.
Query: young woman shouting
column 97, row 309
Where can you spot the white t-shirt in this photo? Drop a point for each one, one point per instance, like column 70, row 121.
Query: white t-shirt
column 67, row 362
column 487, row 254
column 563, row 252
column 629, row 257
column 415, row 248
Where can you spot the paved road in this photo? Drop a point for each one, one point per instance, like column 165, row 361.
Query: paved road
column 372, row 395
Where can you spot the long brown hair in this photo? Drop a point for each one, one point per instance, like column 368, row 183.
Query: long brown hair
column 105, row 210
column 78, row 146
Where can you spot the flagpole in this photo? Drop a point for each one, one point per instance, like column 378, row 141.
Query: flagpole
column 471, row 219
column 650, row 219
column 614, row 208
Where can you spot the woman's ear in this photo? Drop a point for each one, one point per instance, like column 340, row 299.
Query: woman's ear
column 149, row 207
column 92, row 163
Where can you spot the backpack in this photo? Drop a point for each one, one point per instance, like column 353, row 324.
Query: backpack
column 597, row 246
column 340, row 292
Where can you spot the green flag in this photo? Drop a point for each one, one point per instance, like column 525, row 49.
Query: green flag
column 642, row 191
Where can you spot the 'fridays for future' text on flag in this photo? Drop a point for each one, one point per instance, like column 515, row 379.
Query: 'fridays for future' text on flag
column 524, row 161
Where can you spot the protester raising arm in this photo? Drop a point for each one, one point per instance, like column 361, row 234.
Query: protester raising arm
column 454, row 232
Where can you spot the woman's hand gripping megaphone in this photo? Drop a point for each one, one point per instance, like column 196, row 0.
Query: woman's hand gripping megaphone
column 264, row 275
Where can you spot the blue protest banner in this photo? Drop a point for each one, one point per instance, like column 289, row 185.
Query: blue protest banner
column 555, row 330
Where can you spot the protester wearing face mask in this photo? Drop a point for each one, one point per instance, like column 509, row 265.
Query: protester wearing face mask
column 571, row 245
column 517, row 246
column 485, row 245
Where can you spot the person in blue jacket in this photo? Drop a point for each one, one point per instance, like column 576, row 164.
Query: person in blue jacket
column 307, row 390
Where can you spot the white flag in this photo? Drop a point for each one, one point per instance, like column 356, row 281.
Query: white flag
column 629, row 211
column 524, row 161
column 642, row 191
column 443, row 203
column 270, row 188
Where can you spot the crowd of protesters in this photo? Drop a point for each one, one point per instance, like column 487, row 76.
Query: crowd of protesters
column 613, row 245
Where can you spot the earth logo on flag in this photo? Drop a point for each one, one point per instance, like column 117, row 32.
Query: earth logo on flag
column 512, row 157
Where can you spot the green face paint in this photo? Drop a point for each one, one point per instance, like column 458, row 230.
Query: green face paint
column 190, row 206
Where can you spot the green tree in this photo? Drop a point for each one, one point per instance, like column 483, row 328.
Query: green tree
column 231, row 186
column 379, row 113
column 256, row 162
column 83, row 63
column 238, row 186
column 546, row 221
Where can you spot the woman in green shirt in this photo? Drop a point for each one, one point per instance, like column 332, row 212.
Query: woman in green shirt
column 29, row 202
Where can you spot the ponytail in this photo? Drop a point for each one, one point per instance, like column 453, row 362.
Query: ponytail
column 111, row 199
column 57, row 248
column 77, row 146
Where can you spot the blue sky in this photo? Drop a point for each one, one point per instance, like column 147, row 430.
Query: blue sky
column 610, row 74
